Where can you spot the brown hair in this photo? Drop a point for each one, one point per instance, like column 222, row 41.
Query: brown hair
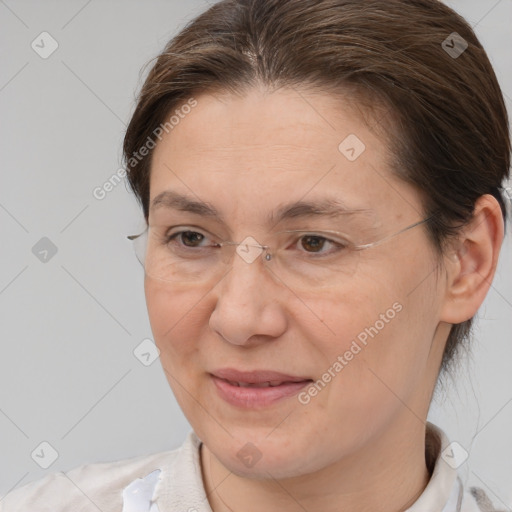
column 448, row 127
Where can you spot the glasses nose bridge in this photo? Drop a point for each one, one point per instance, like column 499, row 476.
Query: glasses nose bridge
column 249, row 250
column 250, row 263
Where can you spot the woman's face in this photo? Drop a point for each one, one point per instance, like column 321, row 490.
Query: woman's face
column 371, row 339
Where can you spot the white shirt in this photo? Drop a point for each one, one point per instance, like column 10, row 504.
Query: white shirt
column 171, row 481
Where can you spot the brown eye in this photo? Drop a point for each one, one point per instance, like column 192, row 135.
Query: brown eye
column 192, row 237
column 313, row 243
column 186, row 238
column 319, row 246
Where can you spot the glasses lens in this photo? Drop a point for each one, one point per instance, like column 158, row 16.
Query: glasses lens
column 186, row 257
column 306, row 260
column 300, row 260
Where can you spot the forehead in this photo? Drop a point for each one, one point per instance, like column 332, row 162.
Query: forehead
column 248, row 154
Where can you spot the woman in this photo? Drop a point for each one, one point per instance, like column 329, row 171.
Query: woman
column 322, row 187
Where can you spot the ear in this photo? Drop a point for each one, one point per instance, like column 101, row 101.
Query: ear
column 471, row 262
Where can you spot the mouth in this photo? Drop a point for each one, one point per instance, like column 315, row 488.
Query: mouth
column 267, row 384
column 256, row 389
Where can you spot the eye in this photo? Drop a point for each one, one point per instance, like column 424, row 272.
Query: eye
column 187, row 239
column 315, row 243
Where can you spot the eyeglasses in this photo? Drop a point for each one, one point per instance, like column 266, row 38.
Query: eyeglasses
column 191, row 256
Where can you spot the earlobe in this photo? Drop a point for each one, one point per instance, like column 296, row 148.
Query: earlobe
column 472, row 262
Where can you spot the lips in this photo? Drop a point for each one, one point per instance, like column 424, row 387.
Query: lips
column 257, row 376
column 266, row 384
column 256, row 389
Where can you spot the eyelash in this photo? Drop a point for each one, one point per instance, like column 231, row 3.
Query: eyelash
column 338, row 245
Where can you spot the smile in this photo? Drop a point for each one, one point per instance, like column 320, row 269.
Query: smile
column 253, row 395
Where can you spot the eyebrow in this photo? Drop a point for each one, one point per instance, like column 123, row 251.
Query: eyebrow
column 325, row 207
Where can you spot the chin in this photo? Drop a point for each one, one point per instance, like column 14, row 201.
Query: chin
column 265, row 468
column 259, row 456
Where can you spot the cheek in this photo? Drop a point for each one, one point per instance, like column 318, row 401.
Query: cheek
column 386, row 340
column 177, row 319
column 390, row 316
column 174, row 316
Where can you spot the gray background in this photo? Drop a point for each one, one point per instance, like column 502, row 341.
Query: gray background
column 69, row 326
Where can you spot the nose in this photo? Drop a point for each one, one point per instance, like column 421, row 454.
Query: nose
column 247, row 309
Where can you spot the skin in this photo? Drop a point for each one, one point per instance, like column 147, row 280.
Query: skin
column 359, row 444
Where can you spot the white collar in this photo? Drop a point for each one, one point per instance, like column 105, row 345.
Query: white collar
column 444, row 489
column 178, row 485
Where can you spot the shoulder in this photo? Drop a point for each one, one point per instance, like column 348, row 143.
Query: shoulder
column 90, row 487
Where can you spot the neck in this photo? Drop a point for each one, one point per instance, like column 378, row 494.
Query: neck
column 388, row 475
